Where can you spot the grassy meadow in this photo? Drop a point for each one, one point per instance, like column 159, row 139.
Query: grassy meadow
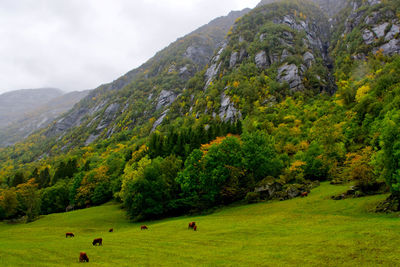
column 312, row 231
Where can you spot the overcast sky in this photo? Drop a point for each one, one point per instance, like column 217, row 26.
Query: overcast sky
column 80, row 44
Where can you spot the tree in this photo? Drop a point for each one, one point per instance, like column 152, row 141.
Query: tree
column 55, row 198
column 260, row 157
column 9, row 202
column 146, row 196
column 43, row 179
column 390, row 142
column 18, row 179
column 28, row 199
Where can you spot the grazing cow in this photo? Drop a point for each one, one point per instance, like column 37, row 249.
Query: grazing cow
column 111, row 230
column 69, row 235
column 143, row 227
column 83, row 257
column 195, row 228
column 191, row 225
column 98, row 241
column 304, row 194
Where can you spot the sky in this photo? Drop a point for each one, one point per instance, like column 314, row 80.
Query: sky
column 81, row 44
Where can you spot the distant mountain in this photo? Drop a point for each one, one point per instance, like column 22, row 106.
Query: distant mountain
column 15, row 105
column 24, row 111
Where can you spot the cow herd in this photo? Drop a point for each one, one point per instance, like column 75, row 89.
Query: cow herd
column 83, row 257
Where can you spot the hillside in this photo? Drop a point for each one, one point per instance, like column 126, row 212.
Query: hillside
column 35, row 115
column 313, row 231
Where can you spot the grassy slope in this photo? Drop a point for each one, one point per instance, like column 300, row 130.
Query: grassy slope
column 310, row 231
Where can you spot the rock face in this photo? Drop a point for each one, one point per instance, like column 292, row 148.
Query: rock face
column 234, row 59
column 290, row 74
column 159, row 120
column 213, row 70
column 380, row 29
column 261, row 59
column 227, row 111
column 308, row 59
column 165, row 99
column 199, row 53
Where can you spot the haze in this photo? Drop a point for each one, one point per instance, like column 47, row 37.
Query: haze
column 80, row 44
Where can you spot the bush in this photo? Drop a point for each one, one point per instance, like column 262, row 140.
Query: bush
column 252, row 197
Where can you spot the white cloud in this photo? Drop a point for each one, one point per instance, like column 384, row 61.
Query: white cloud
column 80, row 44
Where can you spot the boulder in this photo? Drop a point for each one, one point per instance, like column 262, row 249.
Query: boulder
column 368, row 36
column 390, row 48
column 380, row 29
column 392, row 32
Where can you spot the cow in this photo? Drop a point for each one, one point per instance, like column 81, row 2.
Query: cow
column 69, row 235
column 111, row 230
column 191, row 225
column 83, row 257
column 143, row 227
column 98, row 241
column 195, row 228
column 304, row 194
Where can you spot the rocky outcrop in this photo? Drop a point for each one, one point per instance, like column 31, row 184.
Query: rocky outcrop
column 380, row 29
column 165, row 99
column 159, row 120
column 308, row 59
column 368, row 36
column 261, row 59
column 234, row 59
column 214, row 68
column 199, row 53
column 390, row 48
column 290, row 74
column 227, row 111
column 108, row 116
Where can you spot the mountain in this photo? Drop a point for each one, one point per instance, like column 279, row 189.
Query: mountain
column 16, row 104
column 36, row 111
column 257, row 105
column 144, row 92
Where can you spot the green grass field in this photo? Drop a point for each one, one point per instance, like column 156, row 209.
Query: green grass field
column 312, row 231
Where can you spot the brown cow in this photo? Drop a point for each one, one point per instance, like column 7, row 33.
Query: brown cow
column 111, row 230
column 195, row 228
column 143, row 227
column 98, row 241
column 83, row 257
column 304, row 194
column 69, row 235
column 191, row 225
